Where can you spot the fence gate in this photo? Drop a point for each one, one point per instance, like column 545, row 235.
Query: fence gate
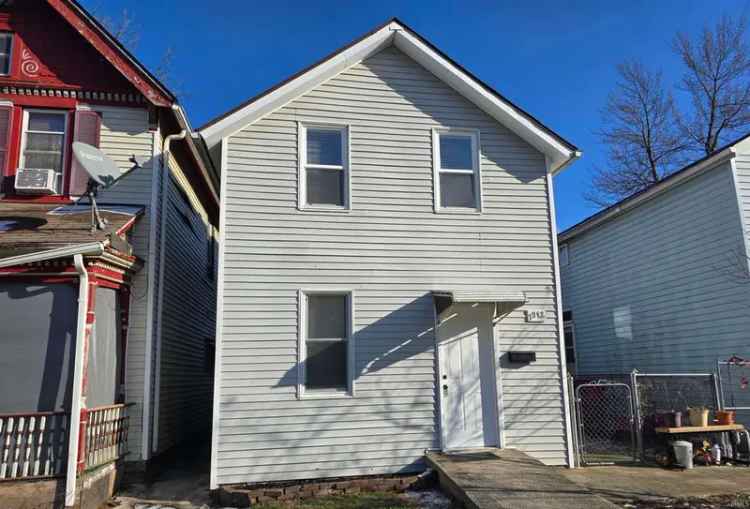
column 605, row 423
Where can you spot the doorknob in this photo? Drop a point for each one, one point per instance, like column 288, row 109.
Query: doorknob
column 445, row 387
column 445, row 377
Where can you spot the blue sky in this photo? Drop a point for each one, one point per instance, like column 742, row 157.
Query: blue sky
column 554, row 59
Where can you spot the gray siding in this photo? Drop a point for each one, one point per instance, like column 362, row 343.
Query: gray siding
column 392, row 250
column 188, row 321
column 656, row 288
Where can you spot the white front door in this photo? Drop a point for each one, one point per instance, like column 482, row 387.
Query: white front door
column 467, row 377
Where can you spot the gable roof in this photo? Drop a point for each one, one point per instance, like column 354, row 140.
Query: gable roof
column 559, row 152
column 115, row 53
column 703, row 164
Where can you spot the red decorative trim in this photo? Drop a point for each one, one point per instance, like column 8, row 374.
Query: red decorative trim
column 31, row 270
column 125, row 317
column 20, row 198
column 127, row 226
column 108, row 273
column 117, row 56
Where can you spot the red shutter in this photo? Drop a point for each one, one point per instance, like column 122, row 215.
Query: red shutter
column 6, row 114
column 86, row 130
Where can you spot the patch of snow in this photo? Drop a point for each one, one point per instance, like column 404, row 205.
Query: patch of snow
column 430, row 499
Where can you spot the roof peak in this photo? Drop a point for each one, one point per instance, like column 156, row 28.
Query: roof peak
column 558, row 151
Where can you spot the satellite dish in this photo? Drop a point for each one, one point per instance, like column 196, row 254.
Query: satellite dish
column 100, row 167
column 103, row 173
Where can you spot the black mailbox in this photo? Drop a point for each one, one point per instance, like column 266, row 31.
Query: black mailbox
column 522, row 357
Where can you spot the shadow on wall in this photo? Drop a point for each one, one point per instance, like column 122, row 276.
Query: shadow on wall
column 504, row 158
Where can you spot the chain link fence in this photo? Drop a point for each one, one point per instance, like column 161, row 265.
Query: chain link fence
column 605, row 423
column 659, row 396
column 651, row 399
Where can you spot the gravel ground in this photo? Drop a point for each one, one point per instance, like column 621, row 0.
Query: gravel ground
column 719, row 502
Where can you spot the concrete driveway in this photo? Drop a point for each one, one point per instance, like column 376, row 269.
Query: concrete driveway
column 641, row 482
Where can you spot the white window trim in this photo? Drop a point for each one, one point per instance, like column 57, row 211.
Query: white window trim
column 302, row 166
column 66, row 133
column 10, row 52
column 302, row 391
column 476, row 170
column 564, row 255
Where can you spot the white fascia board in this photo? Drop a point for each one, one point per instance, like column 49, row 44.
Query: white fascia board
column 557, row 153
column 630, row 203
column 293, row 89
column 88, row 249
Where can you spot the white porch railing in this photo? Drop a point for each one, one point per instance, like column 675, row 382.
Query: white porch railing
column 33, row 445
column 105, row 434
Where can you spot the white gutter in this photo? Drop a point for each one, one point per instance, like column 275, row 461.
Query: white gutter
column 569, row 456
column 574, row 156
column 88, row 249
column 165, row 155
column 77, row 398
column 151, row 303
column 182, row 120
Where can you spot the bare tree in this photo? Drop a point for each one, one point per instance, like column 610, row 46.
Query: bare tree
column 642, row 143
column 126, row 30
column 123, row 28
column 717, row 80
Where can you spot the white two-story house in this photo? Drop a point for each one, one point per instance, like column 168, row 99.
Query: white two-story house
column 387, row 275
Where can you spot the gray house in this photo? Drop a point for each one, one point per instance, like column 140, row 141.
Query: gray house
column 387, row 277
column 659, row 282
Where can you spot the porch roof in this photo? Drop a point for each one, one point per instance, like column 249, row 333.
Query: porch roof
column 31, row 227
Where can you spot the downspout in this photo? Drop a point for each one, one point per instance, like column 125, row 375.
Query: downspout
column 165, row 155
column 76, row 401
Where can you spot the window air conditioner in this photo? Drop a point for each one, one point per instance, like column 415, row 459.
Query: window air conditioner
column 36, row 181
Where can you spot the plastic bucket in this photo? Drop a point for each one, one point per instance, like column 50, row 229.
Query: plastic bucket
column 683, row 453
column 698, row 416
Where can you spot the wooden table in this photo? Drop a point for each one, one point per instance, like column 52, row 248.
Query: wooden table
column 716, row 428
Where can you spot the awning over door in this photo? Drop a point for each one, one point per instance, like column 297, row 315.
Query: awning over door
column 443, row 299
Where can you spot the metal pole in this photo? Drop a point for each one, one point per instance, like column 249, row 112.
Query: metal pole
column 721, row 386
column 636, row 401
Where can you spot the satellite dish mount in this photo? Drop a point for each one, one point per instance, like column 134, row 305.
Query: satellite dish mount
column 103, row 173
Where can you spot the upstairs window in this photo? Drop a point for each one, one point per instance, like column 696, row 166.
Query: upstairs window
column 6, row 51
column 325, row 343
column 564, row 257
column 456, row 166
column 43, row 141
column 324, row 167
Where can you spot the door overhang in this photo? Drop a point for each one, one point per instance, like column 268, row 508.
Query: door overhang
column 499, row 299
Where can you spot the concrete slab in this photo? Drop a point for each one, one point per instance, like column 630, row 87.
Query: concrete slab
column 507, row 478
column 643, row 482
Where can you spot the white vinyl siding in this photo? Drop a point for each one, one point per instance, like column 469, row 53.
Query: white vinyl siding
column 655, row 288
column 392, row 250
